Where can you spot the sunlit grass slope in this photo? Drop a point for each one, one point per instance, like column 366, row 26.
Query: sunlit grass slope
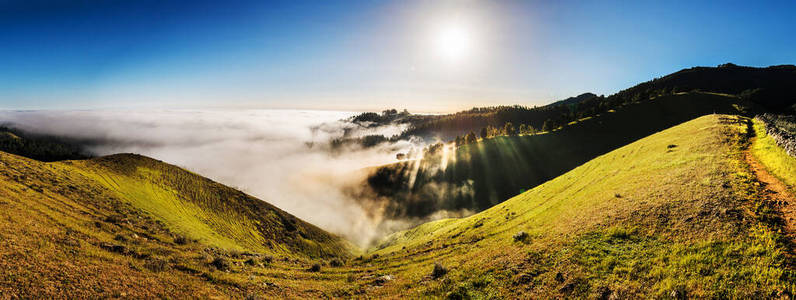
column 130, row 226
column 496, row 169
column 207, row 211
column 669, row 216
column 666, row 216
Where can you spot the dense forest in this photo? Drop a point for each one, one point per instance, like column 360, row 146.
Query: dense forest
column 39, row 147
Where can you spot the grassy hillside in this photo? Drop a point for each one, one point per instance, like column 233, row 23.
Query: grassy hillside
column 676, row 214
column 666, row 216
column 205, row 210
column 478, row 176
column 130, row 225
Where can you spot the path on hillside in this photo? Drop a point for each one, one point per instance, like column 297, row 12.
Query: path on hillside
column 778, row 192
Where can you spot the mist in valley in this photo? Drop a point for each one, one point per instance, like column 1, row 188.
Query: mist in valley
column 283, row 157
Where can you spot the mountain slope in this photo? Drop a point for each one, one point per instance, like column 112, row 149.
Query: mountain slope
column 202, row 209
column 130, row 225
column 668, row 215
column 478, row 176
column 772, row 88
column 574, row 100
column 676, row 214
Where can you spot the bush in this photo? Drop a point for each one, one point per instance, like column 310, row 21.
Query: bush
column 156, row 264
column 267, row 260
column 336, row 263
column 222, row 264
column 251, row 262
column 521, row 236
column 180, row 240
column 458, row 293
column 120, row 238
column 438, row 271
column 315, row 268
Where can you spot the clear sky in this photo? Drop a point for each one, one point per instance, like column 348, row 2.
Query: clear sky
column 430, row 56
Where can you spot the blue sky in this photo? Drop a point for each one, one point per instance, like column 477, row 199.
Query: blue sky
column 366, row 55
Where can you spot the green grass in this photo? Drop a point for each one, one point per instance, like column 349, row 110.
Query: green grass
column 478, row 176
column 207, row 211
column 181, row 217
column 773, row 157
column 647, row 220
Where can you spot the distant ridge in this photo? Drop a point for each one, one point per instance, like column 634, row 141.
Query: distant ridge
column 575, row 100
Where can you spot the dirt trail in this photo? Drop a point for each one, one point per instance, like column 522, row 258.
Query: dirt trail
column 778, row 192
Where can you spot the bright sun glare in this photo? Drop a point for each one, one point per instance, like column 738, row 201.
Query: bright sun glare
column 453, row 42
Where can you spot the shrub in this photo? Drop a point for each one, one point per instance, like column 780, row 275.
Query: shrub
column 156, row 264
column 180, row 240
column 251, row 262
column 521, row 236
column 459, row 293
column 120, row 238
column 267, row 260
column 336, row 263
column 222, row 264
column 315, row 268
column 438, row 271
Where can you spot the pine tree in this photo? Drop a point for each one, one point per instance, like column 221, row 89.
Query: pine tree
column 523, row 129
column 471, row 139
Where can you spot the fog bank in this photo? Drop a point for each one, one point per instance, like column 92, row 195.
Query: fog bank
column 279, row 156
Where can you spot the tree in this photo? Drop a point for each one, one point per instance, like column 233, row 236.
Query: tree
column 508, row 129
column 471, row 138
column 459, row 141
column 523, row 129
column 434, row 148
column 484, row 133
column 492, row 131
column 546, row 125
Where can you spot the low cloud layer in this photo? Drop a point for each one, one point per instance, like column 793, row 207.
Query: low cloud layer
column 279, row 156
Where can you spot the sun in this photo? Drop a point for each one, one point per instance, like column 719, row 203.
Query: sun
column 453, row 42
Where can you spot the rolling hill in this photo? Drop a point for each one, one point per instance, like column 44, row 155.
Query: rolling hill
column 668, row 190
column 477, row 176
column 128, row 225
column 676, row 214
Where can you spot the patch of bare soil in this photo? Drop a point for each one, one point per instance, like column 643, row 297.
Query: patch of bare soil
column 778, row 193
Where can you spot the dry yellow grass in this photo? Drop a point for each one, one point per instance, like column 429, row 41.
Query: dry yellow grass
column 671, row 214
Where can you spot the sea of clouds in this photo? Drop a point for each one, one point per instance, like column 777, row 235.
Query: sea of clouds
column 280, row 156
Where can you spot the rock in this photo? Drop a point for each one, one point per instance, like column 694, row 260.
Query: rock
column 381, row 280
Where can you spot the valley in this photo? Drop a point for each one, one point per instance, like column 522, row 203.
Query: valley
column 603, row 228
